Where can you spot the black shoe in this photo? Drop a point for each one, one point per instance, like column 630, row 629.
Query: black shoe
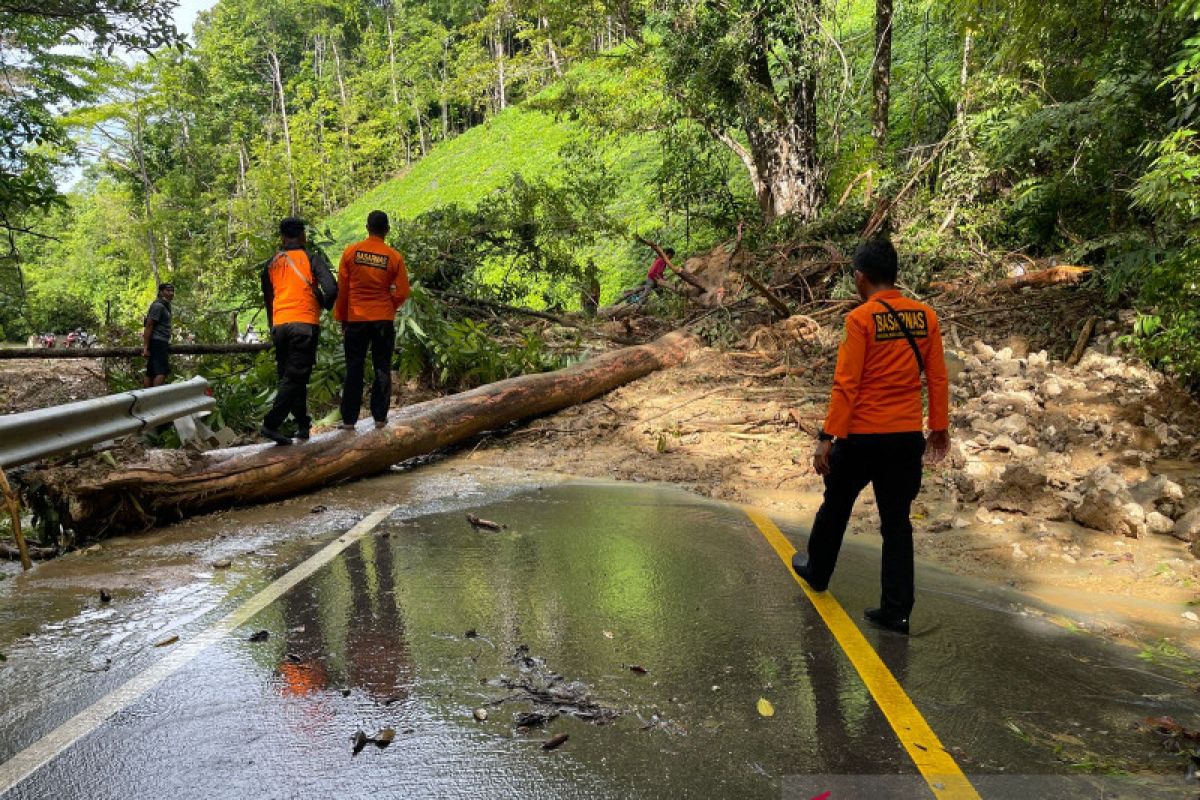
column 800, row 565
column 877, row 617
column 303, row 434
column 274, row 435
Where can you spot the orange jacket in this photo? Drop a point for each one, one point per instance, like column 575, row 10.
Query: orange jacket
column 372, row 282
column 289, row 296
column 877, row 385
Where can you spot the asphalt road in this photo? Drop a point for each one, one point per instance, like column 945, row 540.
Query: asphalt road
column 644, row 623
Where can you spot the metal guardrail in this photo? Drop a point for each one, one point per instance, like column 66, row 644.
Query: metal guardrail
column 33, row 435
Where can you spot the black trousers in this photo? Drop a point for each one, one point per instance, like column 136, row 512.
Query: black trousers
column 380, row 337
column 891, row 463
column 295, row 355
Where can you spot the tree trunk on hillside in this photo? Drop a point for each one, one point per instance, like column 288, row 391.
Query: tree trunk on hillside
column 345, row 98
column 881, row 75
column 501, row 77
column 782, row 159
column 139, row 156
column 139, row 495
column 277, row 78
column 444, row 98
column 401, row 127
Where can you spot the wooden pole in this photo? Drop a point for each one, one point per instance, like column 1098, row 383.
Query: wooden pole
column 129, row 352
column 14, row 513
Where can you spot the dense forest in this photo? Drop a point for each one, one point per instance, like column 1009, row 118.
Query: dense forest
column 975, row 132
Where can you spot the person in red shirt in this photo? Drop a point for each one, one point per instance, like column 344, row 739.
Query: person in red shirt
column 658, row 269
column 873, row 430
column 372, row 285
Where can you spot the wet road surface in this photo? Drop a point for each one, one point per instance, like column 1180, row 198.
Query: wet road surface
column 425, row 620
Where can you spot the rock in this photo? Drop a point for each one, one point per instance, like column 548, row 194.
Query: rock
column 1106, row 505
column 1156, row 491
column 1051, row 387
column 1024, row 489
column 1004, row 354
column 1002, row 443
column 955, row 366
column 983, row 352
column 1039, row 359
column 1007, row 368
column 1008, row 402
column 1187, row 527
column 983, row 425
column 1023, row 452
column 1013, row 425
column 1159, row 523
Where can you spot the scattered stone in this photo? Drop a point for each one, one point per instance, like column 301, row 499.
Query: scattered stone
column 480, row 715
column 223, row 563
column 983, row 352
column 1106, row 505
column 1187, row 527
column 1013, row 425
column 105, row 597
column 1159, row 523
column 1022, row 489
column 1156, row 491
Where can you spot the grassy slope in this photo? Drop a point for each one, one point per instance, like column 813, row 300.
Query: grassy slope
column 462, row 170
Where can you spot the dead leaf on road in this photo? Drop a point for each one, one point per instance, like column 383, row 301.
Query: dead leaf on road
column 486, row 524
column 105, row 597
column 360, row 741
column 260, row 636
column 555, row 741
column 224, row 563
column 765, row 708
column 167, row 641
column 638, row 668
column 384, row 737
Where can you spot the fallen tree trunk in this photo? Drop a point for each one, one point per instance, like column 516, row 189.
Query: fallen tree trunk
column 1044, row 277
column 138, row 496
column 130, row 352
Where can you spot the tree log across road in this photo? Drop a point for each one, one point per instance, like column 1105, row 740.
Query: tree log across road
column 136, row 496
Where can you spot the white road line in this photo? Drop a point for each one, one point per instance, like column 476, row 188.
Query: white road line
column 44, row 750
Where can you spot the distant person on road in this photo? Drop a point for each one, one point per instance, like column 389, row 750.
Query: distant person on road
column 297, row 283
column 372, row 285
column 156, row 337
column 873, row 430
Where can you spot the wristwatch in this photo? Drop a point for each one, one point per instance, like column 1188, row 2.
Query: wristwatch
column 822, row 436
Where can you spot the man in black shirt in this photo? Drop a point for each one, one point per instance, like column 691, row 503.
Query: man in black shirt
column 156, row 337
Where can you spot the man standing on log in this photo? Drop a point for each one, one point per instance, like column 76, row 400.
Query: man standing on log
column 873, row 431
column 372, row 285
column 297, row 283
column 156, row 337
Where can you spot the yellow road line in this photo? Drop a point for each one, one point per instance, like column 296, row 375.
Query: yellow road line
column 937, row 767
column 50, row 746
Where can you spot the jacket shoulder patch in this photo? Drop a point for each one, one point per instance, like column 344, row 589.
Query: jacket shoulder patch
column 888, row 328
column 372, row 260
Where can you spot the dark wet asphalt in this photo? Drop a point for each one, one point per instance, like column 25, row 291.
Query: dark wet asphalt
column 591, row 579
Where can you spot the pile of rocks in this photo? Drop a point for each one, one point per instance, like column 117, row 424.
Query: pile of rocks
column 1037, row 437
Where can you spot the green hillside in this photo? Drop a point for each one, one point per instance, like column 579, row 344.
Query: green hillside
column 462, row 170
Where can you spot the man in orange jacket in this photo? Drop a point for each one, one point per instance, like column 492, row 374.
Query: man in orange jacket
column 296, row 282
column 873, row 431
column 372, row 285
